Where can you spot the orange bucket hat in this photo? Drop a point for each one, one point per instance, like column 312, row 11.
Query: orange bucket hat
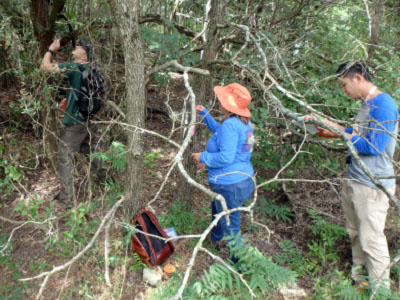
column 234, row 98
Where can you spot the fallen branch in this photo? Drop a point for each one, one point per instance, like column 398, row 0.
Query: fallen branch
column 22, row 224
column 221, row 261
column 11, row 221
column 288, row 113
column 177, row 65
column 199, row 244
column 380, row 279
column 106, row 251
column 79, row 255
column 114, row 106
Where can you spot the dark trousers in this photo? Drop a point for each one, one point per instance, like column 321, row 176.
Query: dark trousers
column 73, row 139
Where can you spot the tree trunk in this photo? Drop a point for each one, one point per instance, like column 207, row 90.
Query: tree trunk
column 203, row 88
column 7, row 78
column 43, row 22
column 44, row 30
column 127, row 15
column 376, row 19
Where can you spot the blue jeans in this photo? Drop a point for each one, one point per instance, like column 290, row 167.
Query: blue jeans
column 234, row 194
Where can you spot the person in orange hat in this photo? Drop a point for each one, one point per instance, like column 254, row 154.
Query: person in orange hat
column 227, row 157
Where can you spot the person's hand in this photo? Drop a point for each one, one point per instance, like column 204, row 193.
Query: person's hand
column 199, row 108
column 326, row 133
column 55, row 45
column 196, row 156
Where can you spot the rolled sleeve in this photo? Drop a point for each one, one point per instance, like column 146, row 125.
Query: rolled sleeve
column 348, row 130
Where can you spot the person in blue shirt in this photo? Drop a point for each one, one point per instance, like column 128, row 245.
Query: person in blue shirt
column 364, row 204
column 227, row 157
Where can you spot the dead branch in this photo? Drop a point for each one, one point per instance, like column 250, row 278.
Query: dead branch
column 79, row 255
column 286, row 112
column 379, row 281
column 161, row 20
column 178, row 66
column 22, row 224
column 221, row 261
column 106, row 251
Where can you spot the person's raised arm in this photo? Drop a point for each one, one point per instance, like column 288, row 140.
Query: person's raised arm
column 208, row 119
column 47, row 65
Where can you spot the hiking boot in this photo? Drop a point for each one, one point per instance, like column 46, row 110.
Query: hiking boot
column 361, row 285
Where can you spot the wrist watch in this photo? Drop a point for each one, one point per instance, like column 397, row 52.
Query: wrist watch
column 51, row 51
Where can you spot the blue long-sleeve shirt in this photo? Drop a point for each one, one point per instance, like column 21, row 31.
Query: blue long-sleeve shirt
column 375, row 139
column 228, row 150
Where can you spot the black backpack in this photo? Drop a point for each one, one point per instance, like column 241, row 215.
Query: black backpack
column 92, row 91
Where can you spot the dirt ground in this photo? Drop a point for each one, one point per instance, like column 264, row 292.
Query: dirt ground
column 28, row 256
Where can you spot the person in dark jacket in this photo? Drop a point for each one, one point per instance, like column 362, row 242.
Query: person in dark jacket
column 77, row 133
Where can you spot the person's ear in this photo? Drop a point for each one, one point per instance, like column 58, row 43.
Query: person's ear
column 358, row 78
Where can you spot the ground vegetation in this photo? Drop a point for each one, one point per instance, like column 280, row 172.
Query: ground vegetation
column 160, row 58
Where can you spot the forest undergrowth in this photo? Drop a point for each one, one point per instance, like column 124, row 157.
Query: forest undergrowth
column 307, row 234
column 163, row 58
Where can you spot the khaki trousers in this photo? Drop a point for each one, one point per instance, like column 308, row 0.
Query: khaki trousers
column 73, row 139
column 365, row 210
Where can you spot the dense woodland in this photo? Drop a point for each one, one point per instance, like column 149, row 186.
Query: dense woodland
column 160, row 58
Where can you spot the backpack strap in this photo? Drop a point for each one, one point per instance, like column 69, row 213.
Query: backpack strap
column 138, row 246
column 81, row 68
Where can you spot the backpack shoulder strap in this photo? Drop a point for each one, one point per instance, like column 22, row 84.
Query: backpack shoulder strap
column 81, row 67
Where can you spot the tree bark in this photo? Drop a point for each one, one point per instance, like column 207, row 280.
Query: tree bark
column 7, row 78
column 203, row 88
column 44, row 21
column 376, row 20
column 127, row 15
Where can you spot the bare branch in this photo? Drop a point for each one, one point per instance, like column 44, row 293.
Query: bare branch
column 369, row 18
column 260, row 82
column 80, row 254
column 161, row 20
column 22, row 224
column 178, row 66
column 221, row 261
column 107, row 250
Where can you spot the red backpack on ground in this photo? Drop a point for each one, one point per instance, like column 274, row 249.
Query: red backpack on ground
column 152, row 251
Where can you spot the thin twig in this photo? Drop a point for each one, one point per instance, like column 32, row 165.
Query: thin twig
column 380, row 279
column 5, row 246
column 369, row 18
column 106, row 251
column 221, row 261
column 79, row 255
